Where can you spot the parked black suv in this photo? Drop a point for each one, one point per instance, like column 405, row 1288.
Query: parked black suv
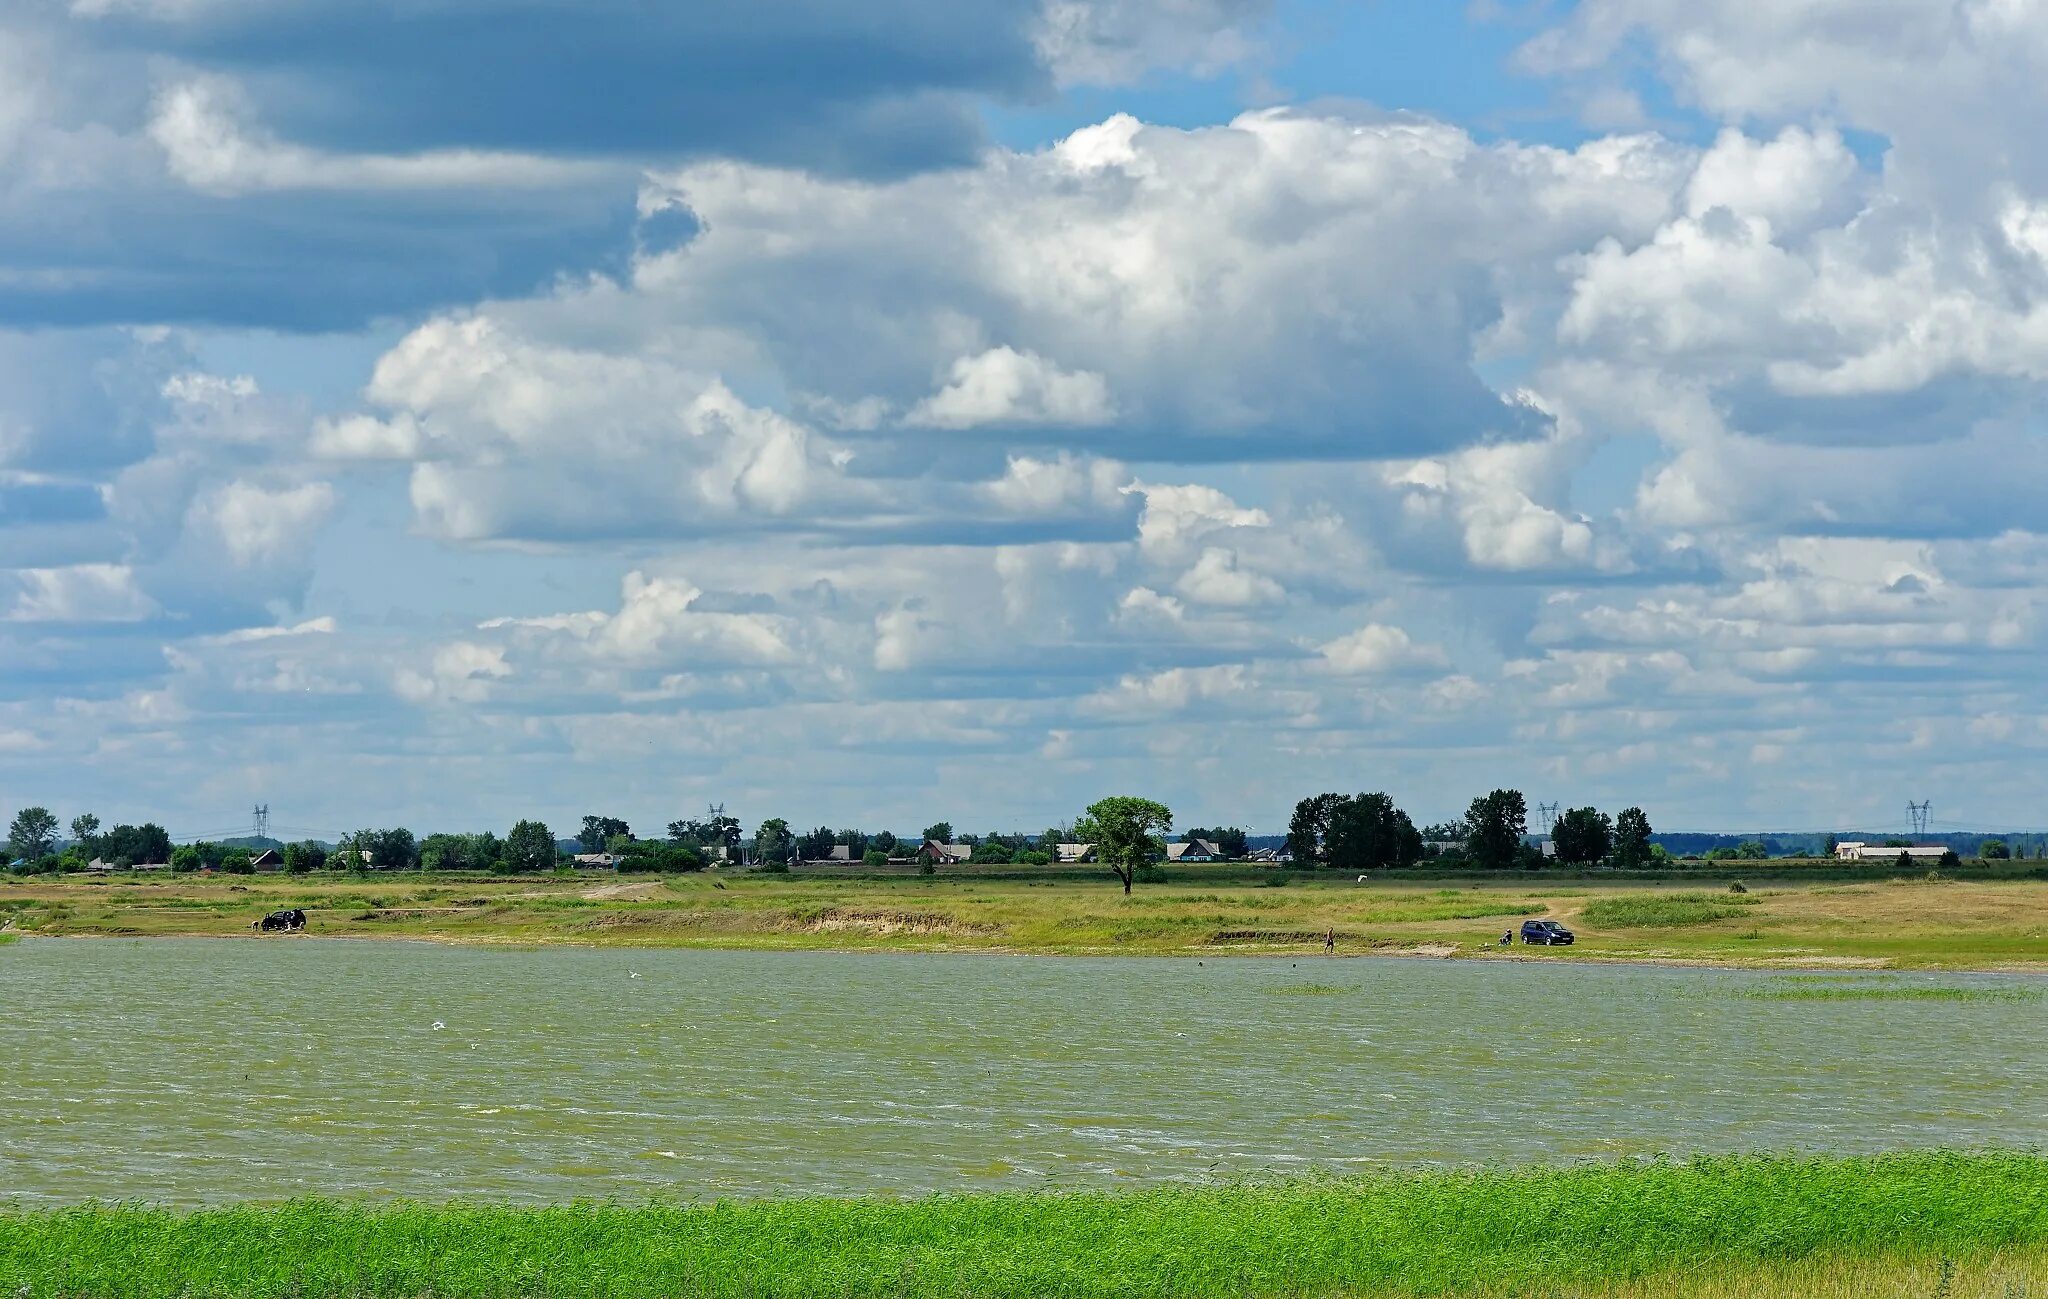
column 1546, row 933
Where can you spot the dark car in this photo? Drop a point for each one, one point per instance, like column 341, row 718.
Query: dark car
column 1546, row 933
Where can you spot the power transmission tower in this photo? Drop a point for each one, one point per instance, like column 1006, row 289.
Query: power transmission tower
column 1918, row 813
column 263, row 820
column 1548, row 811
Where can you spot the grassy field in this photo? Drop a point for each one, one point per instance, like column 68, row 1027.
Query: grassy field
column 1900, row 924
column 1778, row 1226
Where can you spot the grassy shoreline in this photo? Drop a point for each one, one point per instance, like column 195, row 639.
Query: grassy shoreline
column 1899, row 924
column 1649, row 1227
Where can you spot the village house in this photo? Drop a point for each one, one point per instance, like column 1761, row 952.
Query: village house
column 270, row 859
column 945, row 854
column 1068, row 854
column 838, row 852
column 1198, row 850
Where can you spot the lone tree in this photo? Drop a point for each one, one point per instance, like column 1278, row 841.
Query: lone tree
column 1632, row 838
column 1583, row 836
column 85, row 829
column 1494, row 826
column 1993, row 850
column 33, row 834
column 530, row 847
column 1128, row 833
column 939, row 833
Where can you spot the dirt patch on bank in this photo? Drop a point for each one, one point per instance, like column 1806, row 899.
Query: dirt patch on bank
column 623, row 892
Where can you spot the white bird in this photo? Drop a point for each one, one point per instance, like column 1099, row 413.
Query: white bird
column 438, row 1026
column 632, row 974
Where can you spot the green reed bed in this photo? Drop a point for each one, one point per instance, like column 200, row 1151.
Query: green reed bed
column 1666, row 910
column 1889, row 992
column 1385, row 1234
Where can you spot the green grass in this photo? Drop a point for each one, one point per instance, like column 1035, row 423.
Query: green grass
column 9, row 938
column 1307, row 990
column 1526, row 1231
column 1666, row 910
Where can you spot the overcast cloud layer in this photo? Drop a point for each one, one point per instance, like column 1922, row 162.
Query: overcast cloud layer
column 414, row 414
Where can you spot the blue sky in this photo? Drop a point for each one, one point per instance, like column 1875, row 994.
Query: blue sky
column 422, row 412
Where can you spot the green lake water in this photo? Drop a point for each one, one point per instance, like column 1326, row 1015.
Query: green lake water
column 193, row 1071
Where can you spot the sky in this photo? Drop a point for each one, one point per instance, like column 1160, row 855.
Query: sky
column 442, row 412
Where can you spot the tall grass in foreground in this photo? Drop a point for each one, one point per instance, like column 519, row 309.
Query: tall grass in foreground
column 1555, row 1231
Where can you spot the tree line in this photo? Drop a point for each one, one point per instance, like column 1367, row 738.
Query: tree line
column 1367, row 832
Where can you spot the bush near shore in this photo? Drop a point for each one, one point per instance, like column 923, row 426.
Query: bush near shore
column 1539, row 1230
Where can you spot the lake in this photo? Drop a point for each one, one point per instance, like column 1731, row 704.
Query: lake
column 192, row 1071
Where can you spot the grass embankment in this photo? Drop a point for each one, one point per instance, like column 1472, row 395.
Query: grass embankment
column 1739, row 1226
column 1912, row 923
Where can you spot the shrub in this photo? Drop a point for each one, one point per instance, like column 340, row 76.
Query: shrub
column 1736, row 886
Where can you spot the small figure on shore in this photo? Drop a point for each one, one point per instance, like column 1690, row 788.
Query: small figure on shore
column 1508, row 939
column 1330, row 943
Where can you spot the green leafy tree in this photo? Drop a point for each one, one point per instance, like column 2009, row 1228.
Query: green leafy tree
column 1127, row 833
column 1308, row 830
column 1367, row 832
column 992, row 852
column 1494, row 826
column 529, row 847
column 874, row 857
column 942, row 832
column 856, row 843
column 1631, row 838
column 659, row 857
column 85, row 832
column 884, row 842
column 33, row 835
column 599, row 830
column 1583, row 836
column 304, row 858
column 349, row 852
column 773, row 842
column 186, row 859
column 1948, row 860
column 389, row 850
column 1994, row 850
column 148, row 843
column 1752, row 850
column 237, row 862
column 816, row 845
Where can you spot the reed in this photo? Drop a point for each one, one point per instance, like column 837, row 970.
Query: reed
column 1704, row 1227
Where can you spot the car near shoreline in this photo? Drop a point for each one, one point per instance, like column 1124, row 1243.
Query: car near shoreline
column 1546, row 933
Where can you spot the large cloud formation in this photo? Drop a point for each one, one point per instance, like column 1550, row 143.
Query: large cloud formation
column 768, row 434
